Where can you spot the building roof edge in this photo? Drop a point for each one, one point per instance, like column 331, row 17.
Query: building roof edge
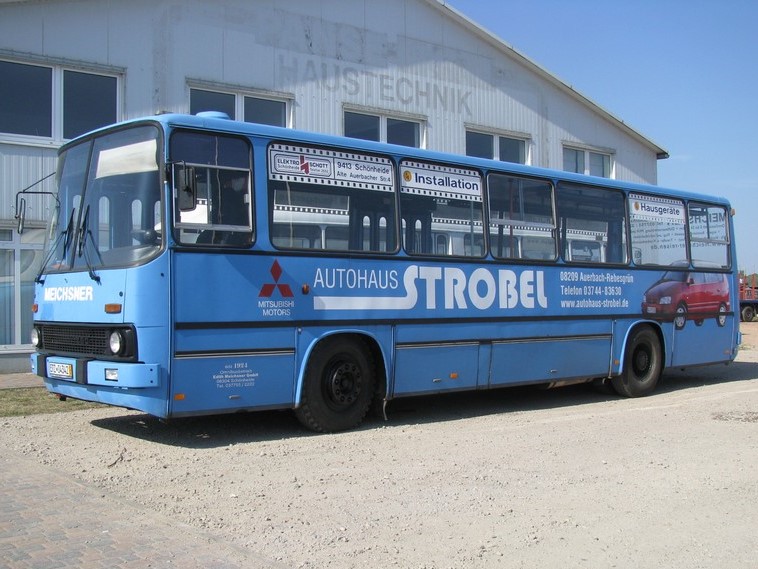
column 497, row 42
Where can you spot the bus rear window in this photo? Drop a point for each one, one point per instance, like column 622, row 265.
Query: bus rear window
column 709, row 236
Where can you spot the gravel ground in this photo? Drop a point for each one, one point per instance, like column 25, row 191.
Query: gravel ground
column 513, row 478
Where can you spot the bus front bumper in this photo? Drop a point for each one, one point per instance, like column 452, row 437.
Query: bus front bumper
column 95, row 372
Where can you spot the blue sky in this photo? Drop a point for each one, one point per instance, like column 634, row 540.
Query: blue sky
column 682, row 73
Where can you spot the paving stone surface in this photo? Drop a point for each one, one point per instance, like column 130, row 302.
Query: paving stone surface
column 50, row 521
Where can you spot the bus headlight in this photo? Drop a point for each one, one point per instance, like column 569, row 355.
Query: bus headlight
column 116, row 342
column 121, row 342
column 35, row 337
column 665, row 300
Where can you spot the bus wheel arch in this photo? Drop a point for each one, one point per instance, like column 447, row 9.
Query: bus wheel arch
column 341, row 378
column 643, row 362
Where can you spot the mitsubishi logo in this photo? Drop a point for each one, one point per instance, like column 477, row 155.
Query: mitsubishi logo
column 268, row 289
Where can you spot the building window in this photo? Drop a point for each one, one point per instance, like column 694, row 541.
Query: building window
column 54, row 102
column 365, row 127
column 586, row 162
column 382, row 128
column 512, row 150
column 479, row 144
column 89, row 102
column 405, row 133
column 265, row 111
column 241, row 106
column 202, row 100
column 26, row 99
column 504, row 148
column 20, row 260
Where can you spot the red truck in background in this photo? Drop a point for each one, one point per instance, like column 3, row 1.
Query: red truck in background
column 748, row 297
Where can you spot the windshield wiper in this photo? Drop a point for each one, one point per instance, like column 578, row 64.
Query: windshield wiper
column 85, row 232
column 68, row 237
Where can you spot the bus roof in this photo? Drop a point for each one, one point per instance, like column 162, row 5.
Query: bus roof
column 219, row 122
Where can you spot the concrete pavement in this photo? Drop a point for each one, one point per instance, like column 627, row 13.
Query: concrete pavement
column 49, row 520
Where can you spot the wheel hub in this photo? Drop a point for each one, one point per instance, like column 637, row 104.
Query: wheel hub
column 641, row 361
column 345, row 384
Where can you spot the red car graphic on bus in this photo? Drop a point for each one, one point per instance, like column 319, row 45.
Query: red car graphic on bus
column 688, row 295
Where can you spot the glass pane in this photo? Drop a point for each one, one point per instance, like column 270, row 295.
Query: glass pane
column 573, row 160
column 122, row 167
column 358, row 125
column 265, row 111
column 405, row 133
column 7, row 294
column 201, row 100
column 26, row 99
column 479, row 145
column 440, row 206
column 709, row 242
column 220, row 167
column 201, row 148
column 600, row 165
column 30, row 264
column 521, row 218
column 333, row 200
column 89, row 102
column 512, row 150
column 592, row 224
column 657, row 230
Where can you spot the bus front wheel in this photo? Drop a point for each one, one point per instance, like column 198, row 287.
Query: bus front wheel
column 338, row 385
column 643, row 362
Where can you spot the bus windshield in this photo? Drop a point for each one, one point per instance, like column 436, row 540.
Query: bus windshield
column 109, row 212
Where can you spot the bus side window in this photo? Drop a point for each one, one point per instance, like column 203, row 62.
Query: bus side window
column 522, row 223
column 442, row 209
column 331, row 218
column 214, row 170
column 593, row 224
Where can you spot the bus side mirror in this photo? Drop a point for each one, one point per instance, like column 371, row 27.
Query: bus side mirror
column 21, row 215
column 186, row 185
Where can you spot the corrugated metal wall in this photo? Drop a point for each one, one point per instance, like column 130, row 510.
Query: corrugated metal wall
column 406, row 57
column 22, row 166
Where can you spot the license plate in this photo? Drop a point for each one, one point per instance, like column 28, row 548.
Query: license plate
column 60, row 371
column 651, row 309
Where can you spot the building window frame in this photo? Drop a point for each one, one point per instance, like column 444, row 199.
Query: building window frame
column 240, row 95
column 19, row 276
column 385, row 117
column 496, row 139
column 58, row 70
column 585, row 161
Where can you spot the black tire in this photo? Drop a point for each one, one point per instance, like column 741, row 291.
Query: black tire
column 338, row 386
column 680, row 318
column 643, row 362
column 748, row 313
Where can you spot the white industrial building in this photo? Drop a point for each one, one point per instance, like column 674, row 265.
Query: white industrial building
column 414, row 72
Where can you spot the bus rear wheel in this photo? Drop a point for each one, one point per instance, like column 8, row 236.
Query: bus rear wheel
column 643, row 362
column 338, row 385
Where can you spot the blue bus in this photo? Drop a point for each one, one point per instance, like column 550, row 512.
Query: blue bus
column 199, row 265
